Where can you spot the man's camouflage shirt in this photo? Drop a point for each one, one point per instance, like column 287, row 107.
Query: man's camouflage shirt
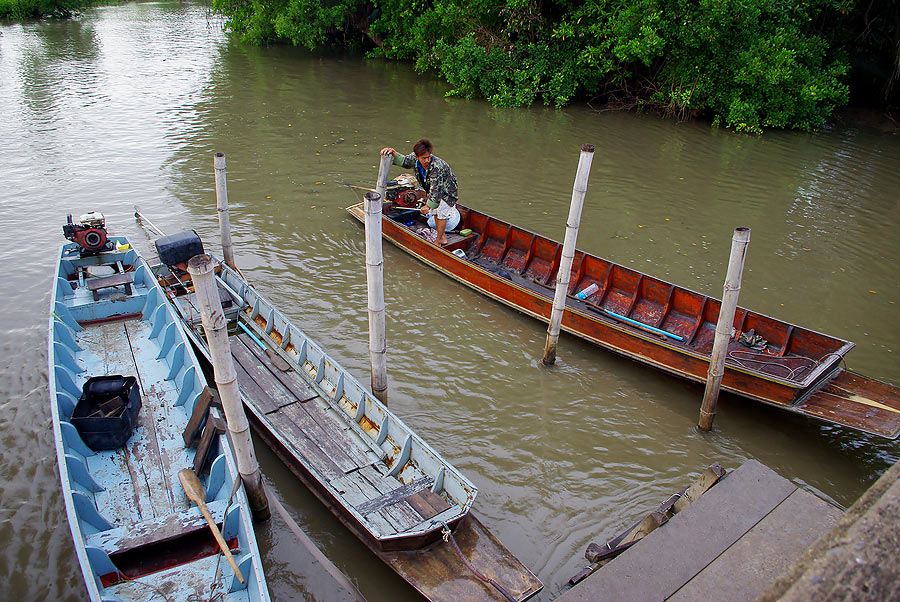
column 439, row 182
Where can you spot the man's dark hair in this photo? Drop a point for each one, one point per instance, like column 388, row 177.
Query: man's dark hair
column 422, row 146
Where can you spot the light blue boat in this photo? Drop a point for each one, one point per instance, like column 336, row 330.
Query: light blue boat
column 136, row 534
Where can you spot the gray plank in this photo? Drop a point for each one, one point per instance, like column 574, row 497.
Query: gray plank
column 747, row 568
column 349, row 489
column 400, row 515
column 392, row 497
column 292, row 379
column 660, row 564
column 302, row 446
column 333, row 445
column 334, row 439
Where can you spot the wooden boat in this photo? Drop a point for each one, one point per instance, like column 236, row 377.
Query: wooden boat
column 114, row 337
column 378, row 477
column 663, row 325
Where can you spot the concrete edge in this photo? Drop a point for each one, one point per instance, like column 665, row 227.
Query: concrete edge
column 837, row 536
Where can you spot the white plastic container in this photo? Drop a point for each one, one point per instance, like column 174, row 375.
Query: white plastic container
column 587, row 292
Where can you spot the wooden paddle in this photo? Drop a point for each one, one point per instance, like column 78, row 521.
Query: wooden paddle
column 194, row 490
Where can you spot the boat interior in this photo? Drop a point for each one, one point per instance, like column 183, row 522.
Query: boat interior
column 139, row 530
column 648, row 306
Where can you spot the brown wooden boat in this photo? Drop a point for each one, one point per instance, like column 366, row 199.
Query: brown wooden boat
column 663, row 325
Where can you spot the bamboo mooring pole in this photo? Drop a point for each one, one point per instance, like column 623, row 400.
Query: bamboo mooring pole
column 200, row 267
column 383, row 169
column 222, row 208
column 568, row 253
column 724, row 327
column 375, row 283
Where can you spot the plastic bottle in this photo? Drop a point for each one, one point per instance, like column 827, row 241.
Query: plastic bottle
column 587, row 292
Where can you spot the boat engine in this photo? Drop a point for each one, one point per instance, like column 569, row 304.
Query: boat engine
column 404, row 192
column 89, row 233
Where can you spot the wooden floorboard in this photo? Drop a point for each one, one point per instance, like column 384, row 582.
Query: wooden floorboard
column 293, row 386
column 290, row 379
column 333, row 445
column 261, row 384
column 155, row 452
column 301, row 445
column 257, row 382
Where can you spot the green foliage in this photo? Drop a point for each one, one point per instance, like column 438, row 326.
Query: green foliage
column 300, row 22
column 749, row 64
column 21, row 10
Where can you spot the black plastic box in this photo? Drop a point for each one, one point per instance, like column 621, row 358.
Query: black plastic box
column 107, row 432
column 179, row 247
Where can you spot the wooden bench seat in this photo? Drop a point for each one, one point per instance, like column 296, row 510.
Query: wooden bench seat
column 95, row 285
column 156, row 530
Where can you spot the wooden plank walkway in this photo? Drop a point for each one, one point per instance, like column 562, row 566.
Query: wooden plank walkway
column 729, row 545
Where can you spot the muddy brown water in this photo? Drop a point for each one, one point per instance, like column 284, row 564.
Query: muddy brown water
column 127, row 104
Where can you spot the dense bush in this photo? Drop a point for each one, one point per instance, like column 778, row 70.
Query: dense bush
column 749, row 64
column 20, row 10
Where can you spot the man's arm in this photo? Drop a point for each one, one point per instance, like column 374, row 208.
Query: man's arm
column 404, row 161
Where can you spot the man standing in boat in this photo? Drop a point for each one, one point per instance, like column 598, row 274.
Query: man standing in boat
column 438, row 180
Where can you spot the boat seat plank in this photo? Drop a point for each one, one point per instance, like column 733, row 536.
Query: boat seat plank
column 95, row 285
column 274, row 394
column 203, row 581
column 392, row 497
column 154, row 453
column 334, row 445
column 291, row 379
column 427, row 503
column 156, row 530
column 303, row 446
column 399, row 514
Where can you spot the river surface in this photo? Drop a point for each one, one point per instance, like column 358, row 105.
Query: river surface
column 127, row 104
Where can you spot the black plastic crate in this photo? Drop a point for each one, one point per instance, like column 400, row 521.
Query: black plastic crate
column 106, row 413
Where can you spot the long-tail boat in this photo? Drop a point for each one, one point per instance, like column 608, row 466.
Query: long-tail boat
column 393, row 491
column 124, row 384
column 651, row 321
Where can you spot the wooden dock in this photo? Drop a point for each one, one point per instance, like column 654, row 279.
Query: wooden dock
column 729, row 545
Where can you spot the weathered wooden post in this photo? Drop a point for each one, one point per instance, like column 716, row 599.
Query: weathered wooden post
column 215, row 325
column 383, row 169
column 724, row 326
column 375, row 282
column 222, row 208
column 568, row 253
